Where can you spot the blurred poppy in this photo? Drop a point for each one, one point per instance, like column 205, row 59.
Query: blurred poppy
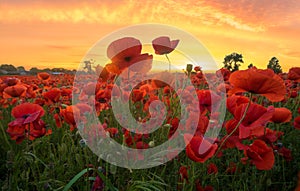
column 199, row 149
column 11, row 81
column 184, row 174
column 263, row 82
column 294, row 73
column 43, row 76
column 297, row 122
column 162, row 79
column 223, row 73
column 52, row 96
column 69, row 114
column 281, row 115
column 260, row 155
column 163, row 45
column 14, row 91
column 212, row 168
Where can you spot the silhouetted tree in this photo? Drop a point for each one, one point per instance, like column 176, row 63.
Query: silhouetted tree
column 232, row 61
column 34, row 70
column 250, row 65
column 8, row 68
column 88, row 65
column 274, row 65
column 21, row 69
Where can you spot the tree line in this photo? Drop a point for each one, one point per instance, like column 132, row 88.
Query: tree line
column 233, row 61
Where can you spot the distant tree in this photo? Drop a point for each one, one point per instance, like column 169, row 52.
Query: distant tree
column 274, row 65
column 21, row 69
column 48, row 70
column 250, row 65
column 34, row 70
column 8, row 68
column 232, row 61
column 88, row 65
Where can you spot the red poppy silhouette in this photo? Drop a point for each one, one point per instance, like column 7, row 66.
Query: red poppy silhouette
column 260, row 155
column 163, row 45
column 263, row 82
column 199, row 149
column 281, row 115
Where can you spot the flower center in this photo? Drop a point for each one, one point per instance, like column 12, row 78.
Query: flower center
column 127, row 59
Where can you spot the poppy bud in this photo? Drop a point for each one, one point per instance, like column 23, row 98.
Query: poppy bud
column 189, row 68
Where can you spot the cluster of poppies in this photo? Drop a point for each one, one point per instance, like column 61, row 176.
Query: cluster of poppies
column 251, row 98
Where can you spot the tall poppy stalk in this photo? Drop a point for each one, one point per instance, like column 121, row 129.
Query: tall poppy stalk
column 238, row 124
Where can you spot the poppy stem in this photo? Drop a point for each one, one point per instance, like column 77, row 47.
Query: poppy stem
column 169, row 62
column 239, row 123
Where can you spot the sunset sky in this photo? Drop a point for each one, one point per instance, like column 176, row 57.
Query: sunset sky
column 48, row 34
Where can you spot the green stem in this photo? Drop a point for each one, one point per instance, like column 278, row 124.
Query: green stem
column 169, row 62
column 239, row 123
column 5, row 137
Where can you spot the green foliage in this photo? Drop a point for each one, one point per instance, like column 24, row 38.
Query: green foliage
column 232, row 61
column 274, row 65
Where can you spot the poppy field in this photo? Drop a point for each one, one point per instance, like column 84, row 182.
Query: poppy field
column 46, row 136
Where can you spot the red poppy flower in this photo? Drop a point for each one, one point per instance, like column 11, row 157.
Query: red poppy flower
column 212, row 168
column 113, row 132
column 69, row 114
column 14, row 91
column 255, row 120
column 260, row 155
column 11, row 81
column 163, row 45
column 263, row 82
column 184, row 174
column 125, row 52
column 271, row 136
column 234, row 101
column 281, row 115
column 294, row 73
column 53, row 95
column 205, row 98
column 223, row 73
column 83, row 108
column 137, row 95
column 43, row 76
column 27, row 122
column 28, row 110
column 297, row 122
column 199, row 149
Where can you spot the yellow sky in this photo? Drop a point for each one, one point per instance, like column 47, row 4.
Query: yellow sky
column 54, row 34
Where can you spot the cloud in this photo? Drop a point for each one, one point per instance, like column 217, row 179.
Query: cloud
column 253, row 16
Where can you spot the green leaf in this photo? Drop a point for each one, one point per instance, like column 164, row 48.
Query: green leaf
column 75, row 178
